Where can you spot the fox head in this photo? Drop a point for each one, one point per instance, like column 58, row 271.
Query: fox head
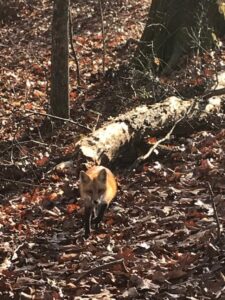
column 93, row 188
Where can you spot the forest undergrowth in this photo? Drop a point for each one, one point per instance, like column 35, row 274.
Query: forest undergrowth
column 160, row 237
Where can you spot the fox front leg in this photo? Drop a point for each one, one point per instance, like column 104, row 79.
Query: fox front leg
column 87, row 221
column 100, row 215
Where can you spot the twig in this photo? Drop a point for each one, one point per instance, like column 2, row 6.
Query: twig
column 142, row 158
column 35, row 142
column 72, row 48
column 103, row 36
column 214, row 210
column 20, row 182
column 166, row 148
column 98, row 117
column 222, row 277
column 58, row 118
column 103, row 267
column 214, row 93
column 2, row 45
column 26, row 296
column 18, row 248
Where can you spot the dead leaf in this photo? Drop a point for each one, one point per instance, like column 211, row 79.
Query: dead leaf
column 126, row 253
column 68, row 257
column 175, row 274
column 42, row 161
column 52, row 197
column 72, row 207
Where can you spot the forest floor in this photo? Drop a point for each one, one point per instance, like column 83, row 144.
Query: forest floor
column 159, row 239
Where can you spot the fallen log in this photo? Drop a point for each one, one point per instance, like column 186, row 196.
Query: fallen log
column 121, row 136
column 123, row 133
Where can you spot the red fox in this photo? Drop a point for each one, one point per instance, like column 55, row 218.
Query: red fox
column 97, row 189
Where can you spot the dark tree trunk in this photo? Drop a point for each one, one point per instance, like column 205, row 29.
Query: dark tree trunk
column 174, row 27
column 59, row 101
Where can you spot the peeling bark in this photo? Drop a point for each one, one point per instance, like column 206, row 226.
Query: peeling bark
column 105, row 144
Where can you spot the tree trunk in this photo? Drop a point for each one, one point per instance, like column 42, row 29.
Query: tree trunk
column 117, row 137
column 59, row 101
column 174, row 27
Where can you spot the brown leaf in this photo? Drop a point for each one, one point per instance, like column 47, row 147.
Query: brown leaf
column 38, row 94
column 126, row 253
column 152, row 140
column 185, row 259
column 158, row 276
column 175, row 274
column 68, row 257
column 42, row 161
column 28, row 105
column 72, row 207
column 52, row 197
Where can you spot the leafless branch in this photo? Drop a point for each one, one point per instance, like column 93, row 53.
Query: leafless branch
column 19, row 182
column 26, row 296
column 214, row 210
column 58, row 118
column 103, row 267
column 214, row 93
column 143, row 158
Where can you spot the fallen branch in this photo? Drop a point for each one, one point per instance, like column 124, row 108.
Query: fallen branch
column 214, row 93
column 103, row 267
column 15, row 254
column 26, row 296
column 214, row 210
column 142, row 158
column 58, row 118
column 21, row 182
column 165, row 148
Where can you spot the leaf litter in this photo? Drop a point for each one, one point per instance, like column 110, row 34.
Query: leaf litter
column 158, row 240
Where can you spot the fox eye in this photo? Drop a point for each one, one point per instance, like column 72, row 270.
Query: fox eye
column 89, row 192
column 101, row 191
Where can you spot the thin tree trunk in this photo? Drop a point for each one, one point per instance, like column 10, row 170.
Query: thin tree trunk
column 59, row 65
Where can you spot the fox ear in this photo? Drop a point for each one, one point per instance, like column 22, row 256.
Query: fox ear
column 84, row 178
column 102, row 176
